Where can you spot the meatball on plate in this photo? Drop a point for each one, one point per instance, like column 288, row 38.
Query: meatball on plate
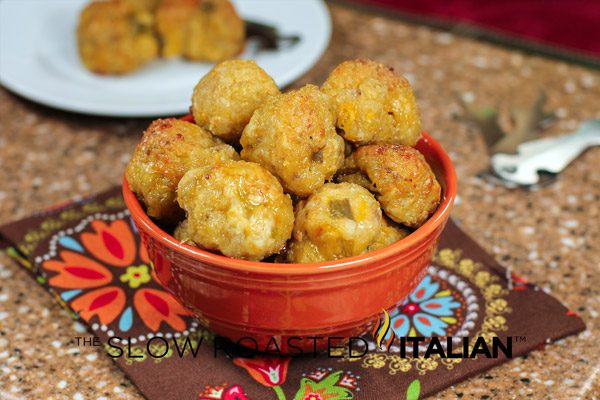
column 141, row 58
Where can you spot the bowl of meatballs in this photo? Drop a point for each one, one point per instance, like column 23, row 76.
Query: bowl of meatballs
column 284, row 215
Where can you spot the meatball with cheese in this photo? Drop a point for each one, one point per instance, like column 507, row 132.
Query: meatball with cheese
column 237, row 208
column 390, row 233
column 172, row 20
column 293, row 136
column 337, row 221
column 403, row 181
column 373, row 104
column 115, row 37
column 201, row 30
column 225, row 99
column 146, row 5
column 215, row 33
column 183, row 234
column 168, row 149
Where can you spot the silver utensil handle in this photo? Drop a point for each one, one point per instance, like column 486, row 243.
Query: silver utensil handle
column 548, row 154
column 565, row 151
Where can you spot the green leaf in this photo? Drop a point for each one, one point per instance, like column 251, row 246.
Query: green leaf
column 302, row 391
column 413, row 391
column 328, row 383
column 330, row 380
column 340, row 393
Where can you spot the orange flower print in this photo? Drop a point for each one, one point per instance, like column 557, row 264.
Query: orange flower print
column 156, row 306
column 77, row 271
column 113, row 244
column 107, row 303
column 104, row 275
column 143, row 254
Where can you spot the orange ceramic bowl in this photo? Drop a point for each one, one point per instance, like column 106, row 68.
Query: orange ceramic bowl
column 342, row 298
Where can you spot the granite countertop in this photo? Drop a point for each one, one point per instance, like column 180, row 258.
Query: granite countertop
column 550, row 235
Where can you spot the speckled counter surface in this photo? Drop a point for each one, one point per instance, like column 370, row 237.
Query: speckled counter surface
column 551, row 235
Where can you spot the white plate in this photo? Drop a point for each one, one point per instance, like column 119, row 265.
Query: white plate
column 39, row 59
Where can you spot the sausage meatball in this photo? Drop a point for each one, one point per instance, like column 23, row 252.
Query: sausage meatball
column 404, row 183
column 147, row 5
column 226, row 97
column 115, row 37
column 183, row 234
column 337, row 221
column 168, row 149
column 172, row 19
column 390, row 233
column 215, row 33
column 236, row 207
column 349, row 173
column 293, row 136
column 373, row 104
column 204, row 30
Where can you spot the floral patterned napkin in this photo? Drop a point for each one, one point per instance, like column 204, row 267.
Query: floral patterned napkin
column 89, row 256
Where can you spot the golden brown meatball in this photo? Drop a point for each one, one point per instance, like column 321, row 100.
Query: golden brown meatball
column 226, row 97
column 337, row 221
column 302, row 252
column 237, row 208
column 293, row 136
column 115, row 37
column 374, row 105
column 147, row 5
column 390, row 233
column 168, row 149
column 172, row 20
column 182, row 233
column 204, row 30
column 215, row 33
column 358, row 178
column 349, row 173
column 405, row 185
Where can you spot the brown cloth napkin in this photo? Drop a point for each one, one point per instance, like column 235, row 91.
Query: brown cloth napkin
column 88, row 255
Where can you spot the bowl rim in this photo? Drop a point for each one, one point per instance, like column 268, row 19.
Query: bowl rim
column 344, row 264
